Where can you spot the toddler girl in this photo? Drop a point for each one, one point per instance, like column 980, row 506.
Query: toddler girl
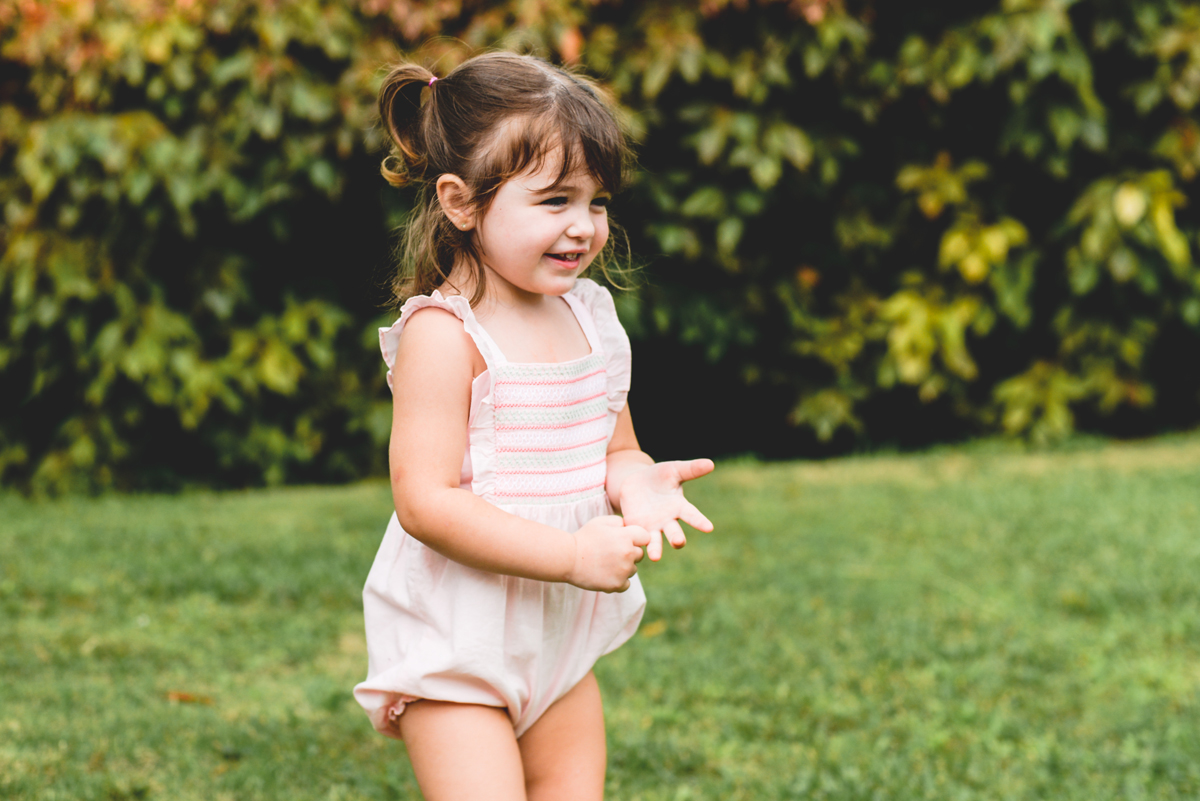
column 504, row 574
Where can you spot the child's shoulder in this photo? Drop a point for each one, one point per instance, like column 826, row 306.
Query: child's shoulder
column 588, row 290
column 435, row 312
column 596, row 298
column 599, row 303
column 436, row 321
column 433, row 326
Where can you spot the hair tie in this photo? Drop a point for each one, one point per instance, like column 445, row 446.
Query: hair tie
column 431, row 80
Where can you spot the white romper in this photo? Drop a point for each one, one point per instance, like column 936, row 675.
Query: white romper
column 537, row 438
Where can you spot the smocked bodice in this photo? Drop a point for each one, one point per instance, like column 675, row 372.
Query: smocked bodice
column 551, row 432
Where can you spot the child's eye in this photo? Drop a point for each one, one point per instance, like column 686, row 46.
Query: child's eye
column 555, row 201
column 600, row 201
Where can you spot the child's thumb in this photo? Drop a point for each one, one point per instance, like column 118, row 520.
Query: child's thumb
column 638, row 535
column 695, row 468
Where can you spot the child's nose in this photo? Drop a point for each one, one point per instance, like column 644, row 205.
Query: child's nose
column 581, row 226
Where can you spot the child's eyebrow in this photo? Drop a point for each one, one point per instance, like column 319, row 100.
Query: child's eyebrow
column 557, row 189
column 561, row 189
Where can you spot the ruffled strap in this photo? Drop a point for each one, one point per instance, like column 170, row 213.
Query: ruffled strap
column 389, row 338
column 614, row 342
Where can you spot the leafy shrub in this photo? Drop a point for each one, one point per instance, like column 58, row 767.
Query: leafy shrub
column 976, row 209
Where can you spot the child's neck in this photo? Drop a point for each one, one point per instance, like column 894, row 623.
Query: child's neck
column 498, row 295
column 529, row 327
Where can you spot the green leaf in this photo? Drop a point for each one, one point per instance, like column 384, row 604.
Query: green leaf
column 791, row 143
column 729, row 233
column 707, row 202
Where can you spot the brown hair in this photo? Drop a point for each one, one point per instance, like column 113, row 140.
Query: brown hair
column 493, row 117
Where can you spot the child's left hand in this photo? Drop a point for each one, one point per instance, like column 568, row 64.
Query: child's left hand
column 653, row 499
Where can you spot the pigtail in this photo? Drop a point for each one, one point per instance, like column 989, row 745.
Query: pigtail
column 401, row 113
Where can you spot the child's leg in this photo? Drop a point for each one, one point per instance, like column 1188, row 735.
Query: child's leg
column 463, row 751
column 564, row 751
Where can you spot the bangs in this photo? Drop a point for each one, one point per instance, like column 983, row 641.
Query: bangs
column 579, row 135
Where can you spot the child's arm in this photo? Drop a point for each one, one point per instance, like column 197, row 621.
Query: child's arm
column 434, row 367
column 650, row 494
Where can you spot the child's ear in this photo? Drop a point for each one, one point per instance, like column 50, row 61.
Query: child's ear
column 455, row 200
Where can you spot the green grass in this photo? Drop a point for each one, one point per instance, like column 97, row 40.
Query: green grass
column 969, row 624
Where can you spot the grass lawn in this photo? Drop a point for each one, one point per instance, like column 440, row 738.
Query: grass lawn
column 973, row 623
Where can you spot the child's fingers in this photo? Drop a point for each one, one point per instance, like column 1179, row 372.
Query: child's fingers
column 654, row 549
column 694, row 469
column 674, row 534
column 694, row 518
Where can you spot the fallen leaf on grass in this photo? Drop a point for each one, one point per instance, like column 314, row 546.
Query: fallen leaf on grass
column 654, row 629
column 180, row 697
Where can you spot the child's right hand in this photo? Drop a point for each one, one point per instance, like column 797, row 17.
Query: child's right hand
column 606, row 554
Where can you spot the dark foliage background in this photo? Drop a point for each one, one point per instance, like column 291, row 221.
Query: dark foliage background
column 864, row 224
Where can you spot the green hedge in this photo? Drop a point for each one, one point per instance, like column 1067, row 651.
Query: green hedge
column 968, row 212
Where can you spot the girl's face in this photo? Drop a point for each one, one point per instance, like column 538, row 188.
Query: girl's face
column 536, row 241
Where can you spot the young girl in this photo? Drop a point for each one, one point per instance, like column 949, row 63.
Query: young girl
column 504, row 574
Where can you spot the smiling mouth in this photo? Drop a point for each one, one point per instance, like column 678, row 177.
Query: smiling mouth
column 566, row 259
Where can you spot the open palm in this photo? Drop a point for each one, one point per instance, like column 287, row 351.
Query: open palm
column 653, row 499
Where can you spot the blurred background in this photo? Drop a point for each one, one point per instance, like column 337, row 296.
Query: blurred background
column 862, row 225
